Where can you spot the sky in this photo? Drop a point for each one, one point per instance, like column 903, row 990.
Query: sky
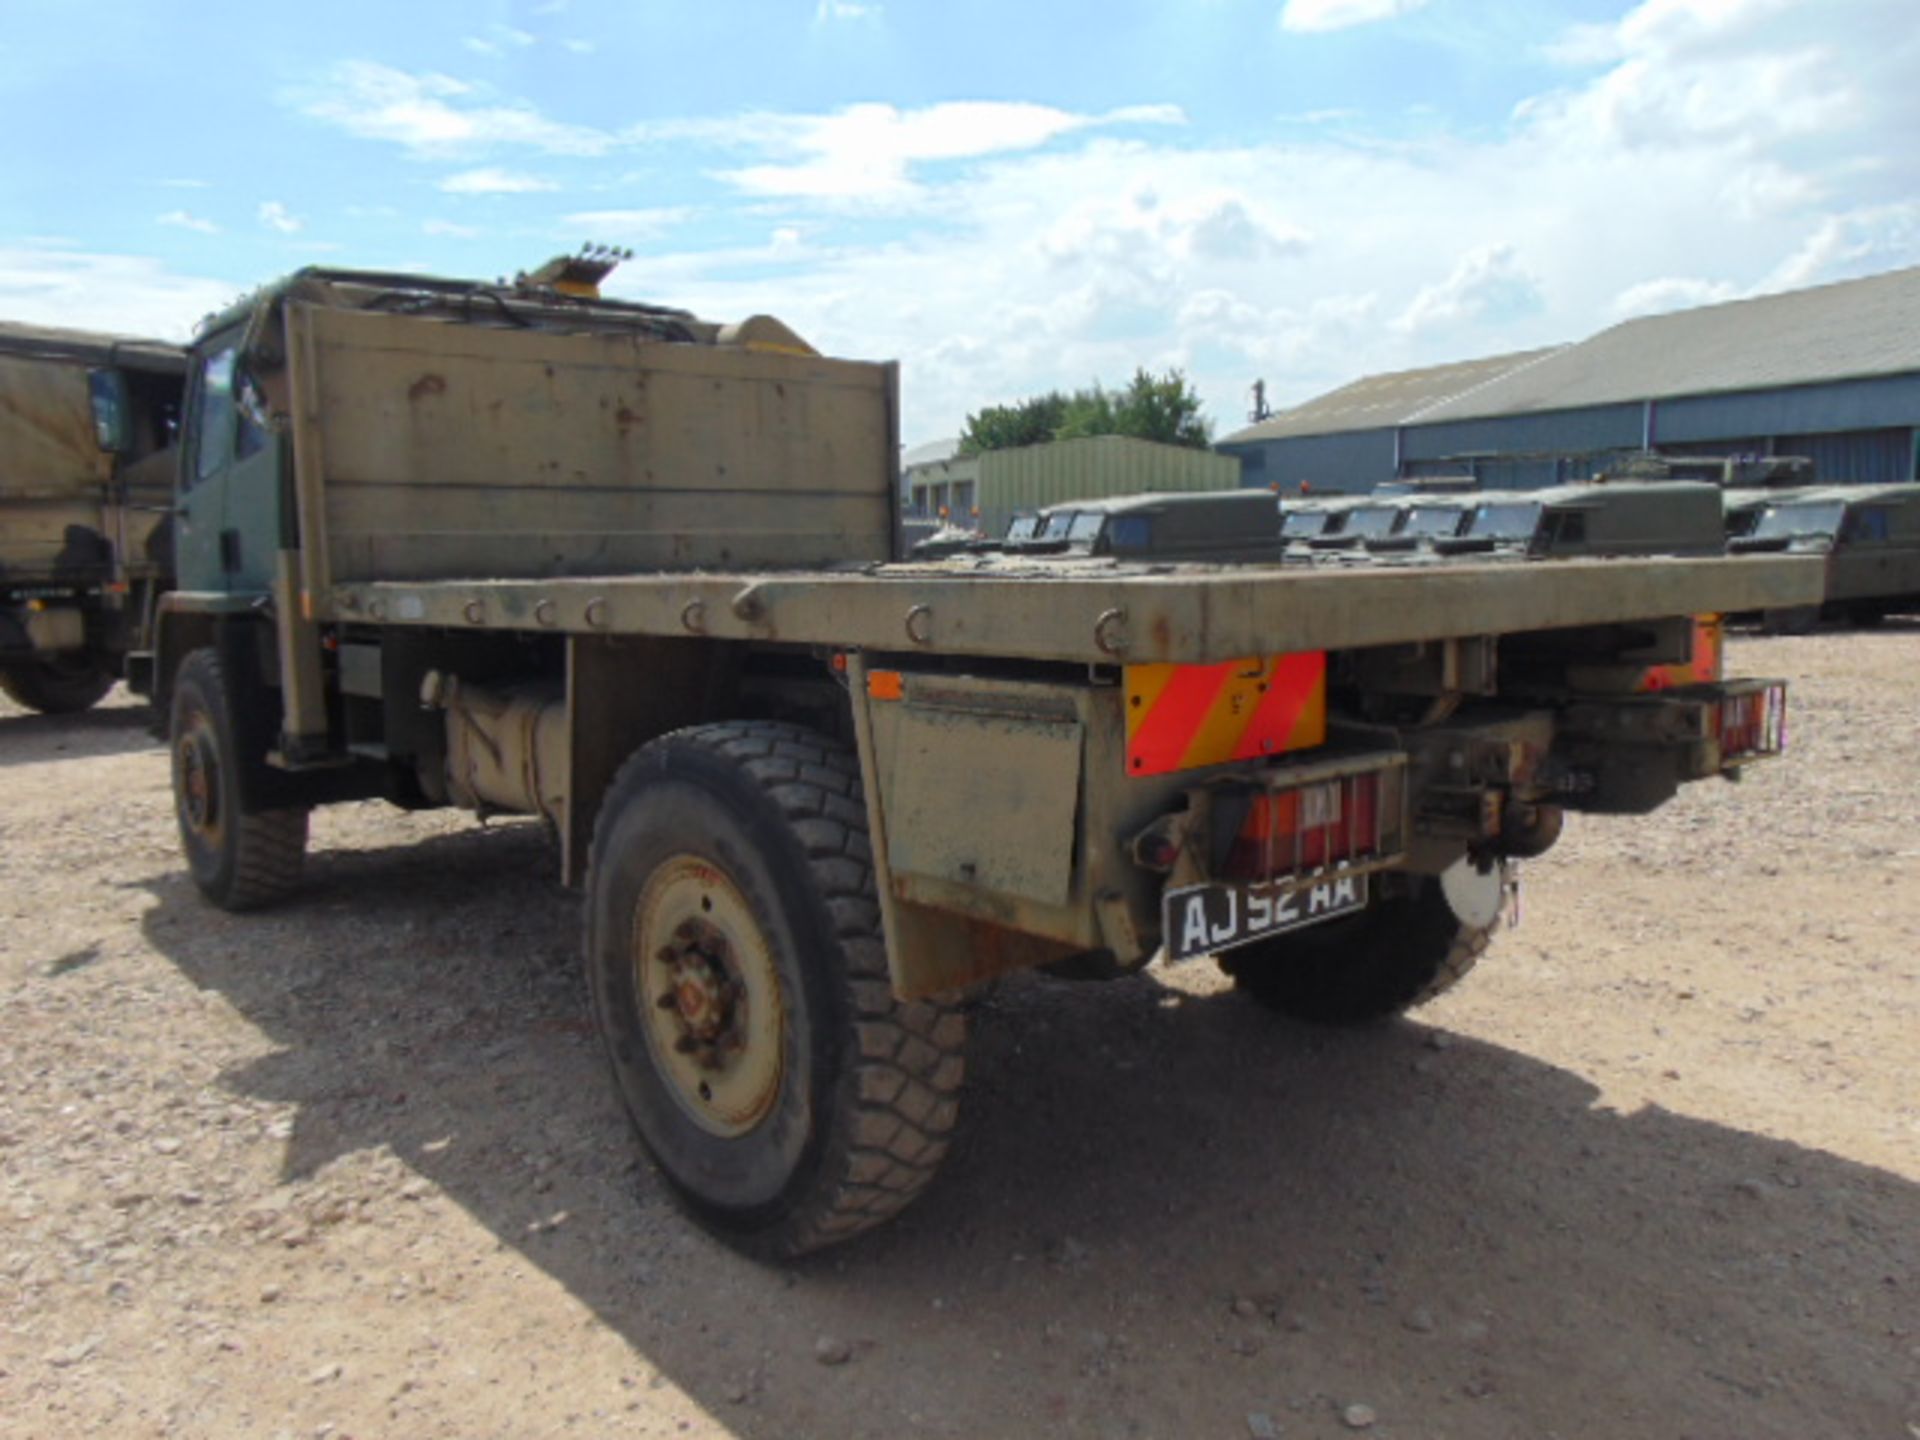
column 1006, row 198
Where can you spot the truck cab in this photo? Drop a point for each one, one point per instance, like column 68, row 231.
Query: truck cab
column 1595, row 520
column 1868, row 534
column 1225, row 526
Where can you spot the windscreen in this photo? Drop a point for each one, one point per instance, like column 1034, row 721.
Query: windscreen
column 1023, row 527
column 1435, row 520
column 1058, row 524
column 1373, row 521
column 1515, row 520
column 1086, row 527
column 1299, row 524
column 1812, row 517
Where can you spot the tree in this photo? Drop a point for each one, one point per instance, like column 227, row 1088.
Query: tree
column 1152, row 407
column 1005, row 427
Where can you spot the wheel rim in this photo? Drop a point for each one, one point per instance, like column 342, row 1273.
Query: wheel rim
column 201, row 810
column 709, row 996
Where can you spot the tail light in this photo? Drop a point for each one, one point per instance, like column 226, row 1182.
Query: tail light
column 1751, row 725
column 1343, row 821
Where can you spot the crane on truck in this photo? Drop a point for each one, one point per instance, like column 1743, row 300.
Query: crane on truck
column 520, row 550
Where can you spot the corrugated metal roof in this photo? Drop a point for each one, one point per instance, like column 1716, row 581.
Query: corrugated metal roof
column 1383, row 401
column 1844, row 331
column 1849, row 330
column 931, row 453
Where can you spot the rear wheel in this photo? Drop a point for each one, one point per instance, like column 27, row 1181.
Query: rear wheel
column 60, row 685
column 740, row 983
column 1401, row 951
column 240, row 860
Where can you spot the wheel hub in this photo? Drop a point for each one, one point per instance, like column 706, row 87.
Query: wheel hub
column 705, row 978
column 199, row 783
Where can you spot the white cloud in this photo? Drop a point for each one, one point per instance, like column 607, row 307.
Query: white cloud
column 1488, row 283
column 1317, row 16
column 432, row 114
column 1657, row 297
column 187, row 221
column 1695, row 150
column 449, row 229
column 830, row 10
column 275, row 216
column 607, row 226
column 126, row 294
column 866, row 151
column 580, row 47
column 491, row 180
column 1227, row 230
column 184, row 184
column 498, row 40
column 1857, row 242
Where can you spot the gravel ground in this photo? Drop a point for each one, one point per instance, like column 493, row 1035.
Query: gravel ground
column 352, row 1168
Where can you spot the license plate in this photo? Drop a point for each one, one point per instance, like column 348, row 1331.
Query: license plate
column 1206, row 919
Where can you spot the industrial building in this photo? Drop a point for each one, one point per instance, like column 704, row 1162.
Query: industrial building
column 1832, row 373
column 987, row 490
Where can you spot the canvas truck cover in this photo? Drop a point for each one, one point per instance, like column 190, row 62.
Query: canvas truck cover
column 53, row 475
column 428, row 448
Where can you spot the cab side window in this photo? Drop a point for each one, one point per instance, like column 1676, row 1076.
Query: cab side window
column 1869, row 523
column 213, row 415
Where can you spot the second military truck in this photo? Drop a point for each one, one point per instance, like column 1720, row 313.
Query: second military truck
column 86, row 478
column 523, row 550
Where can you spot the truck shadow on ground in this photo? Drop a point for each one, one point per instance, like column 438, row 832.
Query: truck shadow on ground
column 111, row 729
column 1167, row 1212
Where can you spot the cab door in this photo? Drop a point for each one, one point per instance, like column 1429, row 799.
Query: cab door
column 228, row 511
column 200, row 506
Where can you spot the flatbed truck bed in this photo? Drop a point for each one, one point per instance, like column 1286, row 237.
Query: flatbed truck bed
column 1098, row 614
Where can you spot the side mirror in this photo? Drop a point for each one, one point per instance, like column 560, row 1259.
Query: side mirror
column 112, row 411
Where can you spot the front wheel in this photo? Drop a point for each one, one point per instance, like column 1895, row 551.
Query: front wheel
column 240, row 859
column 739, row 981
column 62, row 685
column 1401, row 951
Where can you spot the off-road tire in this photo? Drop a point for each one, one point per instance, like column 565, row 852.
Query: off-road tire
column 868, row 1088
column 240, row 860
column 1400, row 952
column 65, row 686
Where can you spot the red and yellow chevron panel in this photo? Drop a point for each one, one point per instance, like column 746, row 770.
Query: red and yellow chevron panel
column 1180, row 717
column 1708, row 645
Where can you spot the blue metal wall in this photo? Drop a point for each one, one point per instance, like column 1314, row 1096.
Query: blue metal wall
column 1870, row 457
column 1567, row 432
column 1890, row 401
column 1855, row 430
column 1332, row 464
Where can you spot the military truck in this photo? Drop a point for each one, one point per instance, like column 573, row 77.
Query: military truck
column 1197, row 525
column 1429, row 519
column 1306, row 519
column 1617, row 518
column 628, row 571
column 86, row 428
column 1360, row 522
column 1867, row 535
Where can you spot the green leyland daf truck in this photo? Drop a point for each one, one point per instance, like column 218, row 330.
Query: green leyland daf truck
column 518, row 548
